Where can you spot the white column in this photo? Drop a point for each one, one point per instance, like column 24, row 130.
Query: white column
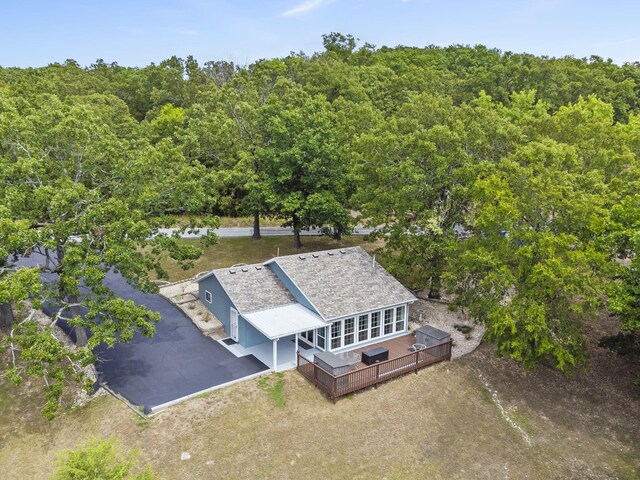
column 275, row 354
column 295, row 350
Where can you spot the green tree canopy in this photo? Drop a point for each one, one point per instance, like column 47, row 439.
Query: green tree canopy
column 86, row 195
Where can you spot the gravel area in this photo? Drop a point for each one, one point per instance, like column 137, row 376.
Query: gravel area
column 185, row 296
column 438, row 315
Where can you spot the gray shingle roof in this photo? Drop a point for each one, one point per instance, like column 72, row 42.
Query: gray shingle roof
column 253, row 289
column 340, row 284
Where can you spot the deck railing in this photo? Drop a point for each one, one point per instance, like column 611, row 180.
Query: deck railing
column 338, row 385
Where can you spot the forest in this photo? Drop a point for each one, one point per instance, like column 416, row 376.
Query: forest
column 509, row 182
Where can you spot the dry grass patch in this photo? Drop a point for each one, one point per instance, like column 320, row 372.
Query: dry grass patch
column 443, row 423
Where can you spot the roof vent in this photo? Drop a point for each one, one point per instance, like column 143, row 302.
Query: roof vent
column 258, row 267
column 343, row 251
column 245, row 269
column 315, row 255
column 330, row 254
column 231, row 270
column 302, row 257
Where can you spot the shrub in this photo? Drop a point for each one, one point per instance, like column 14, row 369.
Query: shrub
column 101, row 459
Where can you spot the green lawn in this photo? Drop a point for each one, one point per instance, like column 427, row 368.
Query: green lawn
column 235, row 222
column 230, row 251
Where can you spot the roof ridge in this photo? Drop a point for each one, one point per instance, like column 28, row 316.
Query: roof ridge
column 299, row 254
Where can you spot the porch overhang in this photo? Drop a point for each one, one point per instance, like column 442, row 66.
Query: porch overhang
column 285, row 320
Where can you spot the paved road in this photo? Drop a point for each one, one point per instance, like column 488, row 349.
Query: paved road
column 177, row 361
column 247, row 232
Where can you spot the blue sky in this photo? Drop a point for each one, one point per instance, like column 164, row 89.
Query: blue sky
column 138, row 32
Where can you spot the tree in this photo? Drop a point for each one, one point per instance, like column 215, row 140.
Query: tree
column 532, row 271
column 306, row 170
column 224, row 134
column 16, row 284
column 101, row 459
column 409, row 179
column 87, row 196
column 339, row 44
column 624, row 291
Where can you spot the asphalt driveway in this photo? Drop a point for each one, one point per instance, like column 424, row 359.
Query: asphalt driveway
column 177, row 361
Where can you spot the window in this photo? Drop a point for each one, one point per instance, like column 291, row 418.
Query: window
column 320, row 336
column 349, row 331
column 207, row 296
column 363, row 328
column 375, row 324
column 336, row 335
column 388, row 321
column 400, row 318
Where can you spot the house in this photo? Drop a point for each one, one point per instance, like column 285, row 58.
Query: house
column 327, row 301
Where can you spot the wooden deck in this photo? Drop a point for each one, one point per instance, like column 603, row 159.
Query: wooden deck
column 398, row 347
column 402, row 360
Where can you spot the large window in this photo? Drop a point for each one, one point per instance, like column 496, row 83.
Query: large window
column 375, row 324
column 336, row 334
column 308, row 336
column 349, row 331
column 400, row 318
column 320, row 336
column 369, row 326
column 363, row 328
column 388, row 321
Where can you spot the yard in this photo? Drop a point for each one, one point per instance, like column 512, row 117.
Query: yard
column 476, row 417
column 229, row 251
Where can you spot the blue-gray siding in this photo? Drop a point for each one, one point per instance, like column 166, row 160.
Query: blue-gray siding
column 288, row 283
column 248, row 335
column 221, row 306
column 220, row 303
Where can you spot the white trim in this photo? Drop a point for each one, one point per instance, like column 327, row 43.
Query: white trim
column 271, row 315
column 237, row 322
column 381, row 337
column 335, row 319
column 203, row 277
column 275, row 260
column 303, row 337
column 210, row 299
column 271, row 308
column 324, row 339
column 275, row 354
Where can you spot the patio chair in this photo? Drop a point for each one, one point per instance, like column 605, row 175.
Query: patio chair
column 418, row 346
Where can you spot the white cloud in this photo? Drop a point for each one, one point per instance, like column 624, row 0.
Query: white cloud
column 305, row 7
